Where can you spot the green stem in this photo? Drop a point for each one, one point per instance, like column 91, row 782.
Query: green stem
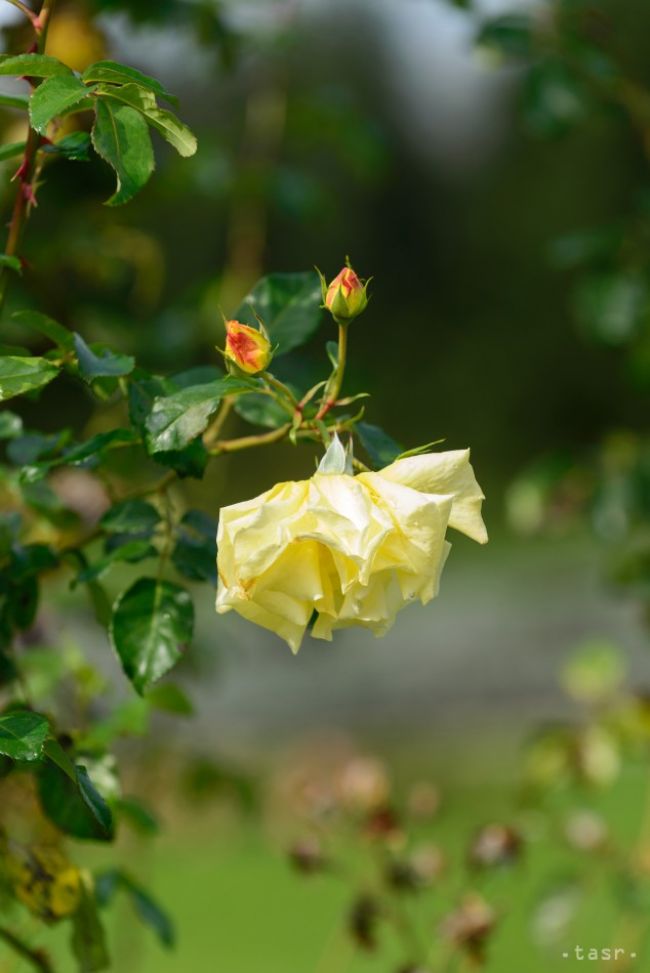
column 336, row 381
column 211, row 435
column 38, row 959
column 248, row 442
column 25, row 188
column 282, row 389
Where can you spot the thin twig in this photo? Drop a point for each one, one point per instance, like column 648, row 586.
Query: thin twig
column 247, row 442
column 333, row 387
column 211, row 435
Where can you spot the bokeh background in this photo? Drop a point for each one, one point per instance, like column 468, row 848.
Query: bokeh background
column 378, row 129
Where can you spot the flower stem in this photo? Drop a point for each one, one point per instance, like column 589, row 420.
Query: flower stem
column 282, row 389
column 25, row 190
column 211, row 435
column 333, row 387
column 248, row 442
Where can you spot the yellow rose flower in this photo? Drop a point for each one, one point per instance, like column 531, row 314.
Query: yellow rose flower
column 353, row 549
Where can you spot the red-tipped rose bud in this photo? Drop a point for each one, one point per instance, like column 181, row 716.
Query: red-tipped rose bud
column 346, row 296
column 248, row 348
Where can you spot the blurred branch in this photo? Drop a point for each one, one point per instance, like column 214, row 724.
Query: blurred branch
column 248, row 442
column 36, row 957
column 27, row 169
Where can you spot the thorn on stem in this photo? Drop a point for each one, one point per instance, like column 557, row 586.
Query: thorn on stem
column 21, row 171
column 29, row 194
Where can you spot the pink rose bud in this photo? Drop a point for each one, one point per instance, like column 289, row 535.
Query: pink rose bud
column 247, row 348
column 346, row 296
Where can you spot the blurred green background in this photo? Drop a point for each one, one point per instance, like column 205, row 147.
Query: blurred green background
column 377, row 129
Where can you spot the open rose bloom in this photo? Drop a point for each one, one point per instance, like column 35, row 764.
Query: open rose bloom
column 352, row 549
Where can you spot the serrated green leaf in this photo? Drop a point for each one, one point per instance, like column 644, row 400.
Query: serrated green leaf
column 88, row 940
column 31, row 559
column 146, row 908
column 100, row 362
column 34, row 446
column 380, row 447
column 35, row 321
column 19, row 375
column 81, row 454
column 75, row 806
column 198, row 375
column 22, row 734
column 121, row 137
column 53, row 97
column 175, row 420
column 152, row 622
column 144, row 389
column 288, row 304
column 172, row 129
column 190, row 461
column 110, row 72
column 32, row 66
column 195, row 553
column 60, row 757
column 131, row 517
column 76, row 146
column 261, row 410
column 132, row 552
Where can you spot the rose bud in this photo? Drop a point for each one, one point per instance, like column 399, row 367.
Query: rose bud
column 247, row 348
column 346, row 296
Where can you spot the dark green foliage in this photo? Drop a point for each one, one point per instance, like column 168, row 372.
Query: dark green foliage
column 75, row 806
column 152, row 624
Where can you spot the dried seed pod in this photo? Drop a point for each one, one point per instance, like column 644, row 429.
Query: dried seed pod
column 495, row 844
column 306, row 855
